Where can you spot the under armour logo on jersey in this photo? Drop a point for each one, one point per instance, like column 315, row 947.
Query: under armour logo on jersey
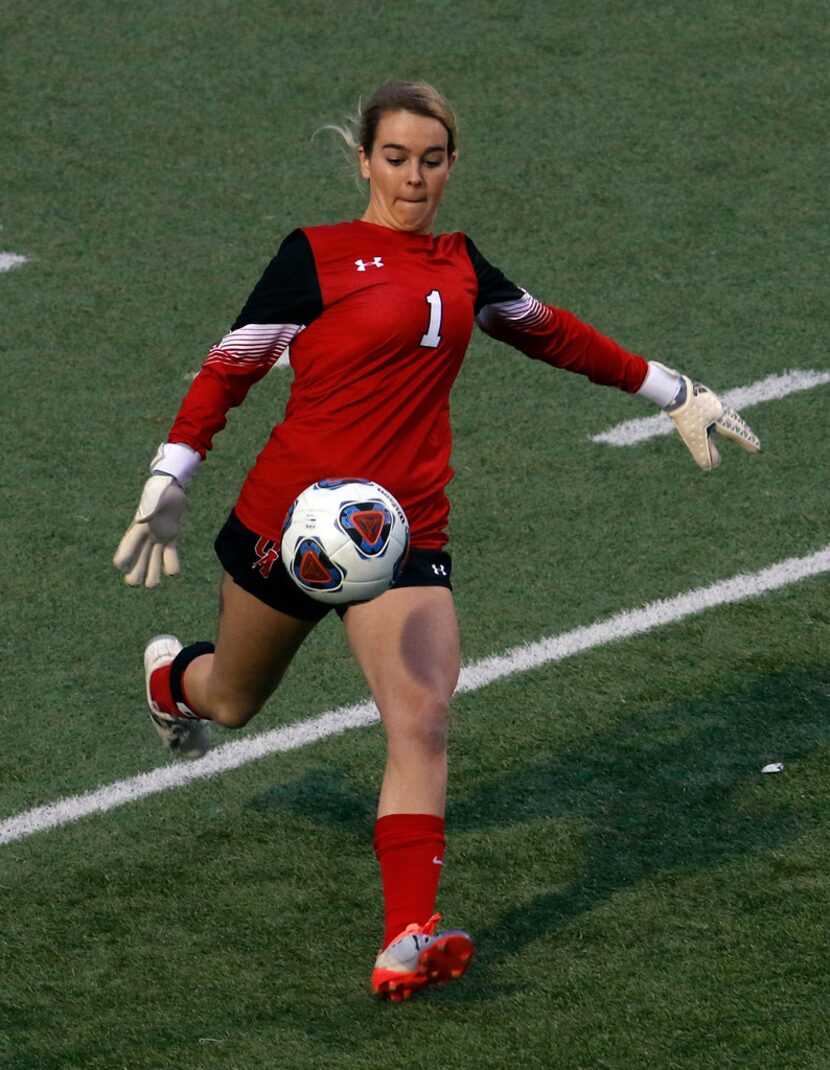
column 439, row 570
column 376, row 261
column 267, row 553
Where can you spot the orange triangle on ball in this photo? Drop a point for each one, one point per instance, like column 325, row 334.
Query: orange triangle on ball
column 312, row 569
column 369, row 523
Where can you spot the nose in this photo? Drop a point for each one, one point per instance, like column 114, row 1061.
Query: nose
column 414, row 175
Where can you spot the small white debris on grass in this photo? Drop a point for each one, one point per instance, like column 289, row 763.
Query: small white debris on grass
column 11, row 260
column 773, row 767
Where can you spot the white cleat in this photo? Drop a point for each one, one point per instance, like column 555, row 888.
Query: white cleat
column 186, row 737
column 419, row 957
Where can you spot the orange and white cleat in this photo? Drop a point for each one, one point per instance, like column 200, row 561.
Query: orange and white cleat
column 419, row 957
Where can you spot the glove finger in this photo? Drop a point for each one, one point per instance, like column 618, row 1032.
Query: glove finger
column 733, row 426
column 129, row 546
column 698, row 444
column 153, row 575
column 170, row 559
column 135, row 577
column 714, row 454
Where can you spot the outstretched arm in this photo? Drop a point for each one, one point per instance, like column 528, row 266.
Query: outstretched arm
column 557, row 337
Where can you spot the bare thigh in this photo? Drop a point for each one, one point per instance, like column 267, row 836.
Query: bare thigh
column 254, row 646
column 406, row 642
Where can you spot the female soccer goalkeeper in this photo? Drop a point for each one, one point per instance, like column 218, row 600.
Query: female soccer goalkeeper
column 378, row 313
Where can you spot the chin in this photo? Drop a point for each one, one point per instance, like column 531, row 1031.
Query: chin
column 411, row 224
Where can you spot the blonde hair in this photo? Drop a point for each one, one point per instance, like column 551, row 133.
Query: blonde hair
column 420, row 98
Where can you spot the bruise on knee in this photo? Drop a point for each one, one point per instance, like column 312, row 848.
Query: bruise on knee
column 421, row 724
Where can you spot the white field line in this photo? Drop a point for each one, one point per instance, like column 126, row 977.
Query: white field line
column 479, row 674
column 11, row 260
column 742, row 397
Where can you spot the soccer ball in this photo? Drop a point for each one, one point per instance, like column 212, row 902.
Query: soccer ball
column 344, row 540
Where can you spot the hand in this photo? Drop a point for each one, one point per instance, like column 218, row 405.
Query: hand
column 150, row 541
column 697, row 412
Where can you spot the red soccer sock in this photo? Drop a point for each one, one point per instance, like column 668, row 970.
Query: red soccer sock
column 167, row 683
column 160, row 691
column 410, row 850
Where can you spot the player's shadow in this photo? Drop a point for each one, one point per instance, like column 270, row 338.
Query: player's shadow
column 657, row 793
column 324, row 798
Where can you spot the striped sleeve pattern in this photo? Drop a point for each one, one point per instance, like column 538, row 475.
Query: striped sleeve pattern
column 284, row 301
column 256, row 345
column 525, row 312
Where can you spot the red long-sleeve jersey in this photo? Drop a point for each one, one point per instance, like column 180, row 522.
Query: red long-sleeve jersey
column 378, row 322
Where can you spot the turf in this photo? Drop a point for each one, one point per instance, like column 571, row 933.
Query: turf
column 640, row 894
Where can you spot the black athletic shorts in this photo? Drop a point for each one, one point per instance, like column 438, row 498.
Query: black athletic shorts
column 253, row 562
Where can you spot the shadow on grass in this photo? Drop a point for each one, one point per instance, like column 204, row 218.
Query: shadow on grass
column 323, row 797
column 656, row 794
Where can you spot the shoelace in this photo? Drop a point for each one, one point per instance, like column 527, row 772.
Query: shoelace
column 427, row 929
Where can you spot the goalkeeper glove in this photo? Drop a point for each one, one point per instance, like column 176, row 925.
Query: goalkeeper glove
column 149, row 544
column 697, row 412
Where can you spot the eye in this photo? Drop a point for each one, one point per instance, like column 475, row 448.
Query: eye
column 395, row 161
column 433, row 163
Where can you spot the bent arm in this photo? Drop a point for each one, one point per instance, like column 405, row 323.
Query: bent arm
column 284, row 301
column 231, row 368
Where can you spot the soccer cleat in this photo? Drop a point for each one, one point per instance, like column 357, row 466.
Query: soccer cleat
column 185, row 736
column 420, row 957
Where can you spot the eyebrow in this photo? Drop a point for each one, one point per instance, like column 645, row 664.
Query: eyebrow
column 404, row 148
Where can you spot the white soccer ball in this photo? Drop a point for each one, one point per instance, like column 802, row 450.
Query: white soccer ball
column 344, row 540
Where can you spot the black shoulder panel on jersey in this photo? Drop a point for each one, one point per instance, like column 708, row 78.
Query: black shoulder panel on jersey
column 493, row 285
column 289, row 291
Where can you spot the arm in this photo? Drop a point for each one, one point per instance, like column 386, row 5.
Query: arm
column 243, row 357
column 507, row 312
column 284, row 301
column 512, row 315
column 557, row 337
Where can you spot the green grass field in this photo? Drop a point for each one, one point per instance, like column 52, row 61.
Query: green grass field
column 641, row 896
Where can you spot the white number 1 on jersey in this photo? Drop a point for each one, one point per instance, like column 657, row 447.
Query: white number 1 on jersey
column 432, row 338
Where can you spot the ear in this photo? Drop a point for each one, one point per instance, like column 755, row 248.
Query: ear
column 452, row 162
column 364, row 162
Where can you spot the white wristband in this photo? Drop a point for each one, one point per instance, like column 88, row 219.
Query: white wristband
column 176, row 460
column 660, row 384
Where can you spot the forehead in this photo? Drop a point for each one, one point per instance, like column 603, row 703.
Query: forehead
column 415, row 132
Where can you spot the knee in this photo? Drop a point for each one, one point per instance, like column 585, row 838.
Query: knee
column 422, row 724
column 233, row 713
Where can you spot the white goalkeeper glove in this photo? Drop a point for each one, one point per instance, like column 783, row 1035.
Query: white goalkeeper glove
column 149, row 544
column 697, row 412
